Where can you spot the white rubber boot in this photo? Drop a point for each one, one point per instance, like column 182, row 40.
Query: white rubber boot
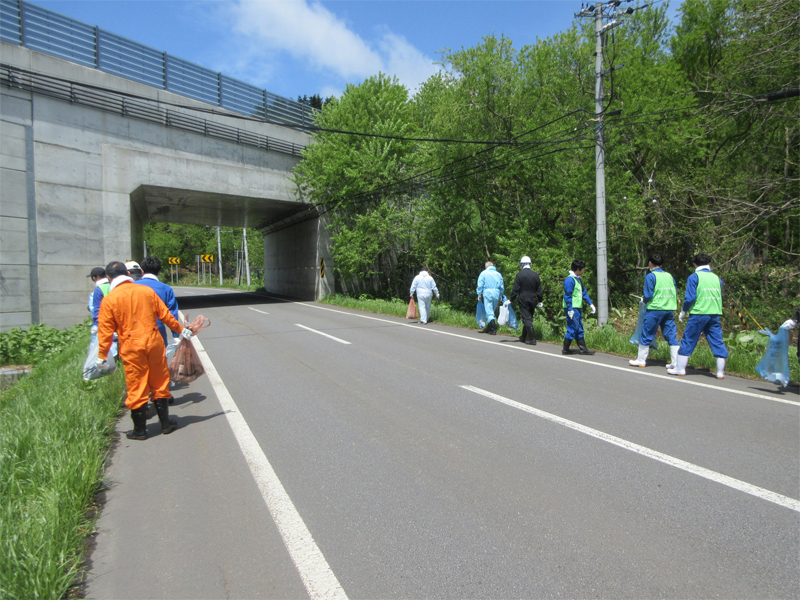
column 720, row 368
column 680, row 366
column 641, row 360
column 673, row 357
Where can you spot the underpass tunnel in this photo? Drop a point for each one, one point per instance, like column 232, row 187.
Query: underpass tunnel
column 297, row 259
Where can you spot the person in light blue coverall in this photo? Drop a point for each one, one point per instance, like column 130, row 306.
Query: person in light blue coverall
column 575, row 296
column 703, row 300
column 151, row 267
column 491, row 289
column 425, row 287
column 661, row 297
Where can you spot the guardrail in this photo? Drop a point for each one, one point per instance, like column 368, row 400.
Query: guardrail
column 43, row 30
column 137, row 108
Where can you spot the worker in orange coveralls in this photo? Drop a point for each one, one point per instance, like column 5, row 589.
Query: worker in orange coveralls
column 131, row 310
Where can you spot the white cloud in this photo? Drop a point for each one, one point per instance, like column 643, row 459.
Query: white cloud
column 312, row 34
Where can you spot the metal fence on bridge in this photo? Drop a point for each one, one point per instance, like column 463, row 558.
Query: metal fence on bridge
column 43, row 30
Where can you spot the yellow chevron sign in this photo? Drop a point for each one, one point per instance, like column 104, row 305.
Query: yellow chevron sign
column 321, row 268
column 206, row 258
column 174, row 260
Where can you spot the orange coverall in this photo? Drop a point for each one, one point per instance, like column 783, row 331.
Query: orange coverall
column 131, row 310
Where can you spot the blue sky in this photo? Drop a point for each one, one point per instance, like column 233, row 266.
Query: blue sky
column 297, row 47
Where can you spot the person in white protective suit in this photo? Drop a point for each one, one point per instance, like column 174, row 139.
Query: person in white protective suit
column 425, row 287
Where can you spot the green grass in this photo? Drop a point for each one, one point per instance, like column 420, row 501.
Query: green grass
column 612, row 338
column 55, row 431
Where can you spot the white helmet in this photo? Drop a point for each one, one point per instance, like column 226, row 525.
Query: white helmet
column 525, row 260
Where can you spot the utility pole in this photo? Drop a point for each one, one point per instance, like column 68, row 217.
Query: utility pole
column 600, row 29
column 246, row 258
column 219, row 255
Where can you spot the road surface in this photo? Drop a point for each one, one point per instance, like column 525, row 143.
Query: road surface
column 334, row 453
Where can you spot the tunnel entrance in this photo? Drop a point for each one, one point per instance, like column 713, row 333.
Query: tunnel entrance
column 297, row 260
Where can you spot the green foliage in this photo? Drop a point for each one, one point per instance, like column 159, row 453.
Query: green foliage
column 31, row 346
column 165, row 240
column 54, row 432
column 699, row 160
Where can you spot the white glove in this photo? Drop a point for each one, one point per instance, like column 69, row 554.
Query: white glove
column 540, row 305
column 570, row 314
column 507, row 302
column 94, row 329
column 682, row 316
column 789, row 324
column 101, row 364
column 594, row 310
column 186, row 333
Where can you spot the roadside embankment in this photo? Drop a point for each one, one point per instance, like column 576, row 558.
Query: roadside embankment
column 55, row 432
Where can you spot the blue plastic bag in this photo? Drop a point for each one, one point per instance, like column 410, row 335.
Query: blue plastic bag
column 774, row 366
column 480, row 315
column 512, row 318
column 636, row 338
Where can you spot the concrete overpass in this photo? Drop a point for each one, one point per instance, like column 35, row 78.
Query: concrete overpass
column 87, row 158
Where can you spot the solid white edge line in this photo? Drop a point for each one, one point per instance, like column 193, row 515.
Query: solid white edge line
column 736, row 484
column 318, row 578
column 258, row 311
column 631, row 371
column 325, row 334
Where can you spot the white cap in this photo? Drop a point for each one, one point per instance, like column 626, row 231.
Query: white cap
column 525, row 260
column 132, row 264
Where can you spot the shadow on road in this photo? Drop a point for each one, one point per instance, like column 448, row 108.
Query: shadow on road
column 194, row 302
column 190, row 398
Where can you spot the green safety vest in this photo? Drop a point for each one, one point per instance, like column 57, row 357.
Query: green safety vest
column 665, row 296
column 709, row 295
column 577, row 295
column 105, row 288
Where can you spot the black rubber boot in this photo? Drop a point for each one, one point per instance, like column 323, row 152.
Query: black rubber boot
column 582, row 346
column 139, row 418
column 524, row 333
column 531, row 337
column 167, row 424
column 565, row 349
column 493, row 325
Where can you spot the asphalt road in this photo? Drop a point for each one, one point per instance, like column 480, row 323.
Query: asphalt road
column 333, row 453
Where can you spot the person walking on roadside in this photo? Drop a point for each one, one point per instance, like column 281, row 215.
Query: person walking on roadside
column 151, row 267
column 134, row 270
column 703, row 302
column 528, row 286
column 491, row 289
column 425, row 287
column 132, row 311
column 661, row 297
column 791, row 324
column 101, row 288
column 575, row 296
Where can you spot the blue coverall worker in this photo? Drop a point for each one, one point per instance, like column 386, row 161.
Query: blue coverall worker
column 703, row 302
column 167, row 296
column 661, row 297
column 490, row 288
column 575, row 296
column 528, row 287
column 425, row 287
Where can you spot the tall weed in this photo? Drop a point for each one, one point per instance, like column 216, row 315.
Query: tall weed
column 54, row 434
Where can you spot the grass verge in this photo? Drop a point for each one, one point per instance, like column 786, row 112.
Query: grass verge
column 55, row 431
column 746, row 349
